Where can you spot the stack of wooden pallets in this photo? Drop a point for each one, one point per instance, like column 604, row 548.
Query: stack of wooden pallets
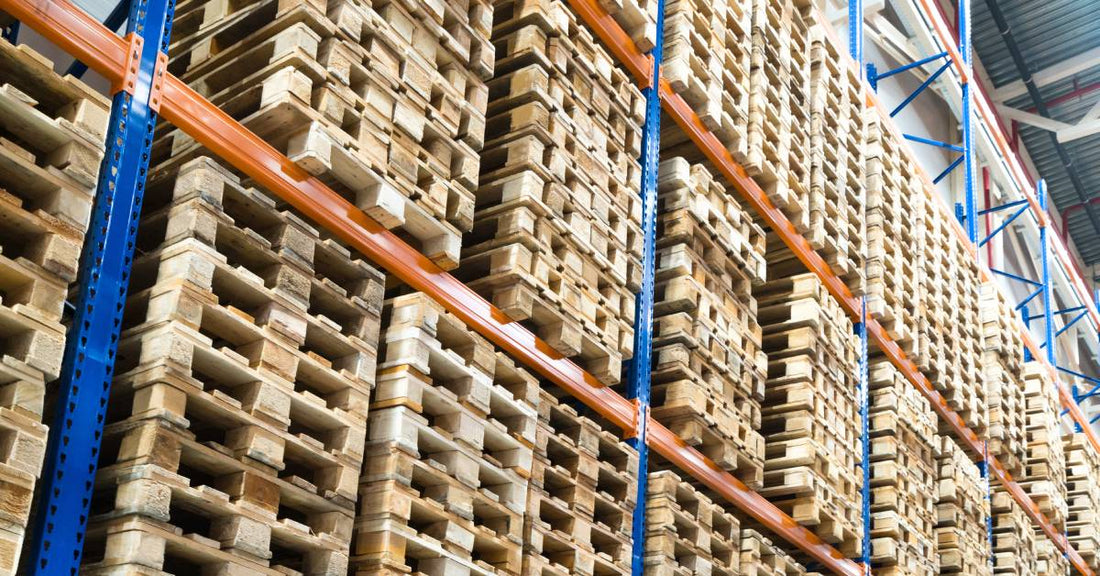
column 708, row 364
column 235, row 432
column 1003, row 366
column 778, row 105
column 810, row 416
column 837, row 141
column 557, row 239
column 903, row 475
column 51, row 141
column 950, row 351
column 962, row 510
column 1083, row 496
column 1050, row 560
column 706, row 61
column 688, row 533
column 580, row 504
column 383, row 101
column 1013, row 537
column 449, row 450
column 761, row 557
column 895, row 233
column 1044, row 475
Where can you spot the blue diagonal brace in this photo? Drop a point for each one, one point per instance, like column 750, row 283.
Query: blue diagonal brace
column 909, row 66
column 1029, row 298
column 1002, row 207
column 920, row 88
column 72, row 451
column 932, row 142
column 1002, row 226
column 1016, row 277
column 639, row 370
column 948, row 170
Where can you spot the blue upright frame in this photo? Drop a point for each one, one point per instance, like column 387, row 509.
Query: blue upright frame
column 72, row 452
column 855, row 49
column 639, row 370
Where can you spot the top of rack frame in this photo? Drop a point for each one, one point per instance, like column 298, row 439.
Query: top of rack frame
column 74, row 31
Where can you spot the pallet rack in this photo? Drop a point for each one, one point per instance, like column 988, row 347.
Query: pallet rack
column 136, row 68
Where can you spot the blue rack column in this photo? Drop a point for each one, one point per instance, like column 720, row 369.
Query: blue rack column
column 76, row 431
column 639, row 371
column 966, row 120
column 855, row 49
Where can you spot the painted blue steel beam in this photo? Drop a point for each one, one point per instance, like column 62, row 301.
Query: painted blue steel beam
column 1044, row 260
column 639, row 370
column 921, row 88
column 931, row 142
column 1016, row 277
column 1002, row 207
column 950, row 168
column 967, row 122
column 910, row 66
column 114, row 21
column 1023, row 305
column 1003, row 225
column 865, row 430
column 72, row 452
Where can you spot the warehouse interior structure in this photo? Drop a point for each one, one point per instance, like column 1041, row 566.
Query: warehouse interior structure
column 549, row 287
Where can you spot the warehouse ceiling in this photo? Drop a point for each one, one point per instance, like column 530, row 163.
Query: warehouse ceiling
column 1057, row 42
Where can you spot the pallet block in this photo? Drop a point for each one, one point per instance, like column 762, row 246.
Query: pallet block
column 962, row 510
column 903, row 475
column 52, row 131
column 687, row 532
column 810, row 414
column 557, row 242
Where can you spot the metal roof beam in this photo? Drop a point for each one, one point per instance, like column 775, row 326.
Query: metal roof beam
column 1049, row 75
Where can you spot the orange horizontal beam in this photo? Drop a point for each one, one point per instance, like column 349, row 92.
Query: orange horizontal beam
column 244, row 150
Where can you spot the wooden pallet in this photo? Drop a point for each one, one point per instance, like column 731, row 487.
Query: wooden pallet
column 1044, row 476
column 962, row 545
column 580, row 503
column 1013, row 537
column 903, row 475
column 810, row 415
column 836, row 200
column 761, row 557
column 709, row 368
column 687, row 532
column 1002, row 367
column 449, row 450
column 894, row 219
column 1082, row 496
column 557, row 242
column 52, row 131
column 381, row 102
column 1050, row 560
